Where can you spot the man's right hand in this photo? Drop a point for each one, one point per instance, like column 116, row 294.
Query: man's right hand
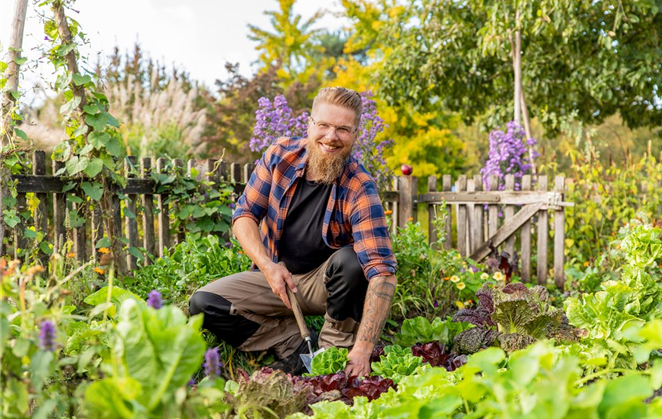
column 278, row 278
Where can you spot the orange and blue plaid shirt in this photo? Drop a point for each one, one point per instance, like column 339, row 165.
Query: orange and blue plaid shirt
column 354, row 214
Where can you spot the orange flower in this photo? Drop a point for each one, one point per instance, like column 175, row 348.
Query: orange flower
column 71, row 255
column 586, row 264
column 34, row 269
column 388, row 212
column 447, row 278
column 100, row 271
column 411, row 219
column 104, row 250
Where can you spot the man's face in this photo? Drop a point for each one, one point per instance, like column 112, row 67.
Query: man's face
column 331, row 135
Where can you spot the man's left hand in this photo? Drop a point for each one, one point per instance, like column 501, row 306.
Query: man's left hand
column 358, row 362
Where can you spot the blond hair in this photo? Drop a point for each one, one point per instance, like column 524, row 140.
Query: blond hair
column 340, row 96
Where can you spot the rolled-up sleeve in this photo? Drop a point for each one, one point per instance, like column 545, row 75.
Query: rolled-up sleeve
column 254, row 202
column 370, row 231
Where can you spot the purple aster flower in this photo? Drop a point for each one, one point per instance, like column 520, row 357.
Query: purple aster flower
column 212, row 364
column 473, row 269
column 191, row 382
column 155, row 300
column 508, row 155
column 232, row 205
column 436, row 304
column 47, row 336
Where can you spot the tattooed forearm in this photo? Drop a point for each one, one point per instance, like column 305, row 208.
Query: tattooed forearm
column 376, row 309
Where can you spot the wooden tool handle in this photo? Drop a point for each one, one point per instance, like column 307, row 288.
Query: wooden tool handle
column 301, row 322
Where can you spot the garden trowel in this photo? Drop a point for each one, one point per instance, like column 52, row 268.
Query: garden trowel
column 301, row 322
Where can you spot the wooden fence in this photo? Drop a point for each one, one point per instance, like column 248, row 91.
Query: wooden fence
column 513, row 218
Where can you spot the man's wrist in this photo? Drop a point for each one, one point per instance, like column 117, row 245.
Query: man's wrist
column 364, row 347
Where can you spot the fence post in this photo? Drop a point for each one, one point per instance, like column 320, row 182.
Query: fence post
column 41, row 214
column 407, row 204
column 526, row 237
column 542, row 236
column 180, row 236
column 432, row 230
column 559, row 237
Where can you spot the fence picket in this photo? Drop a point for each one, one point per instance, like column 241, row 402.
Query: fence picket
column 447, row 181
column 559, row 237
column 526, row 238
column 493, row 210
column 432, row 231
column 461, row 186
column 508, row 213
column 542, row 238
column 471, row 222
column 164, row 215
column 41, row 212
column 59, row 211
column 179, row 169
column 149, row 242
column 131, row 218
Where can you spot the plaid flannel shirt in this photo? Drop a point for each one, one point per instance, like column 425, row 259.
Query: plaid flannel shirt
column 354, row 214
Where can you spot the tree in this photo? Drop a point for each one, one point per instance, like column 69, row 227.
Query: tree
column 290, row 45
column 580, row 61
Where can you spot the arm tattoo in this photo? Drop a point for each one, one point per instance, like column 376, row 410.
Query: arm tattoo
column 376, row 310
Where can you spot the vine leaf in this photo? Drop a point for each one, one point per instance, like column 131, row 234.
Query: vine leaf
column 93, row 190
column 98, row 139
column 76, row 165
column 103, row 242
column 97, row 121
column 71, row 105
column 94, row 167
column 80, row 80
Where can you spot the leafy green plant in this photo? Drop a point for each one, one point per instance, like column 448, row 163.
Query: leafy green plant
column 397, row 362
column 154, row 354
column 514, row 316
column 189, row 265
column 421, row 330
column 329, row 361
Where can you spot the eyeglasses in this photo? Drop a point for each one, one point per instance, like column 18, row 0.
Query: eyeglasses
column 343, row 132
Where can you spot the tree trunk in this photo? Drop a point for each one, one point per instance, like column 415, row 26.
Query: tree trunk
column 517, row 68
column 527, row 129
column 106, row 206
column 12, row 71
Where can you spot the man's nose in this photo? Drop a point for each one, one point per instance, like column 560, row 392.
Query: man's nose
column 332, row 130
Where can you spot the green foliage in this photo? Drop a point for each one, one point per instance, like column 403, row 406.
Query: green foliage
column 154, row 355
column 398, row 362
column 201, row 206
column 607, row 197
column 193, row 263
column 573, row 54
column 536, row 383
column 420, row 330
column 329, row 361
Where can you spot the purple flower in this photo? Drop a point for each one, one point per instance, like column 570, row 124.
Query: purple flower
column 191, row 382
column 473, row 269
column 47, row 336
column 155, row 300
column 508, row 155
column 212, row 364
column 436, row 304
column 232, row 205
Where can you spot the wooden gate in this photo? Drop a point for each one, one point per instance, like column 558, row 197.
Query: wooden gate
column 482, row 216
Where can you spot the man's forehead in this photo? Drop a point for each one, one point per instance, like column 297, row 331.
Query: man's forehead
column 326, row 112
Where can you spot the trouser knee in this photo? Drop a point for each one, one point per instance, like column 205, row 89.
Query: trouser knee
column 346, row 285
column 219, row 320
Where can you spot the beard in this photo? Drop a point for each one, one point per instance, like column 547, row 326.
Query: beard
column 325, row 168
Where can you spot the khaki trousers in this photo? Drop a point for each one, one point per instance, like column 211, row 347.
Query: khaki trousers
column 247, row 303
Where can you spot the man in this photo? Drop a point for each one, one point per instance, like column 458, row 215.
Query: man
column 321, row 215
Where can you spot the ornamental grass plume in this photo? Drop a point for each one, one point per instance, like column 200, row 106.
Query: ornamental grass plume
column 212, row 363
column 47, row 336
column 155, row 300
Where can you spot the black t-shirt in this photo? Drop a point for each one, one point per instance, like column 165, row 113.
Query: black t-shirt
column 301, row 246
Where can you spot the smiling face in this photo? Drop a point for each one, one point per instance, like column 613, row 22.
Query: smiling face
column 331, row 136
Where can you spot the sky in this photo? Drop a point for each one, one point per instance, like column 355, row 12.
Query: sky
column 198, row 36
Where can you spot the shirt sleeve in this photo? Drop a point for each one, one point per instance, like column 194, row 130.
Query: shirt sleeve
column 254, row 202
column 370, row 231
